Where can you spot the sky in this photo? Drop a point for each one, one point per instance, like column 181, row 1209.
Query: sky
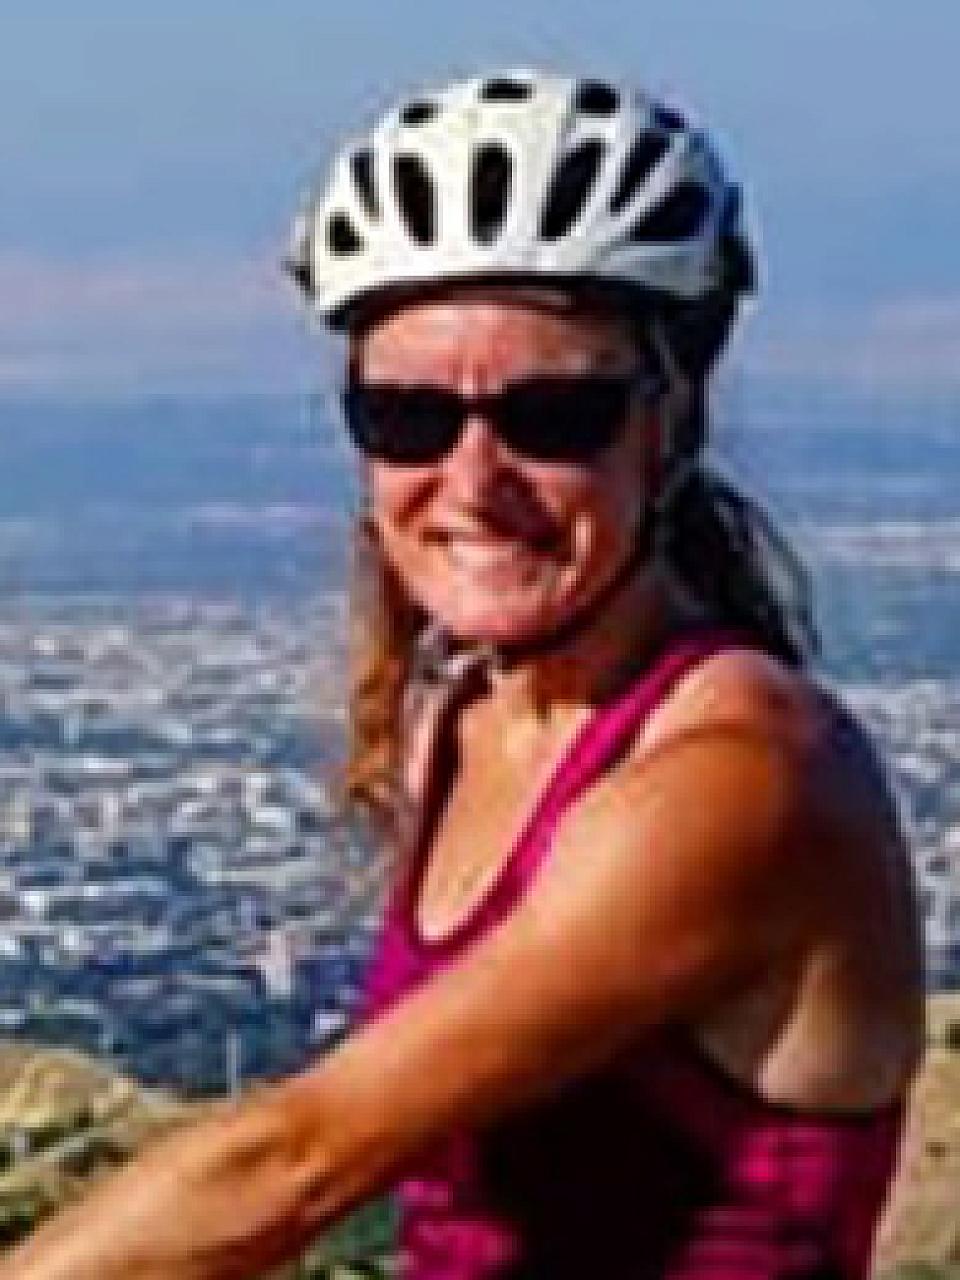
column 152, row 157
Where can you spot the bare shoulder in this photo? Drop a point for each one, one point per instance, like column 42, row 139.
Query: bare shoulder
column 747, row 762
column 749, row 688
column 807, row 772
column 740, row 833
column 704, row 838
column 724, row 776
column 804, row 721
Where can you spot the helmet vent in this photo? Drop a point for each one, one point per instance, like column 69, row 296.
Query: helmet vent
column 643, row 157
column 669, row 119
column 504, row 89
column 490, row 181
column 731, row 211
column 594, row 98
column 418, row 112
column 739, row 272
column 416, row 197
column 298, row 268
column 361, row 166
column 342, row 236
column 571, row 187
column 679, row 217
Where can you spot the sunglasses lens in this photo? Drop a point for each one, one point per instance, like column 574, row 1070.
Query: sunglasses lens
column 414, row 425
column 568, row 420
column 562, row 419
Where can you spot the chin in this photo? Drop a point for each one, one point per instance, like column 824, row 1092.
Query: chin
column 515, row 610
column 496, row 624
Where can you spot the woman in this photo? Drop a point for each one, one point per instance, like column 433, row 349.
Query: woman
column 647, row 999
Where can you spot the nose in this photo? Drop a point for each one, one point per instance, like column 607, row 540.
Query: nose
column 476, row 463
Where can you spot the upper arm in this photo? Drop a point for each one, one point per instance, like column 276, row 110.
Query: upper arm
column 664, row 890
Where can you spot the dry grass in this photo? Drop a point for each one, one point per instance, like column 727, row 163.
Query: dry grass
column 922, row 1220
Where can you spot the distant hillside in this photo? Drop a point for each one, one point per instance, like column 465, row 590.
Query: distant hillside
column 66, row 1120
column 922, row 1221
column 63, row 1121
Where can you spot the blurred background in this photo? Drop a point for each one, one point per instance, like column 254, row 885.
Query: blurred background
column 179, row 899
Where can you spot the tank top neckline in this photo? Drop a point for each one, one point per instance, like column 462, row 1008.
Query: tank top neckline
column 592, row 747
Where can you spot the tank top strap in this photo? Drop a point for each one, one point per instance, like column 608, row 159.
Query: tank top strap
column 611, row 728
column 605, row 735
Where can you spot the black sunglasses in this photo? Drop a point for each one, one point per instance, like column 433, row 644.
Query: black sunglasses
column 548, row 419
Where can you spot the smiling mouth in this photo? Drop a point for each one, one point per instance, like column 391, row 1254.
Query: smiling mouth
column 481, row 553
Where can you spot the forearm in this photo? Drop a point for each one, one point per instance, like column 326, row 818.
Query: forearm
column 229, row 1197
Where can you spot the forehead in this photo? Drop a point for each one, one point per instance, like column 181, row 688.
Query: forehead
column 502, row 328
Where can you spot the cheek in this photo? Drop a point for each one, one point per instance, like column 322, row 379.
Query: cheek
column 594, row 519
column 623, row 486
column 612, row 507
column 394, row 496
column 644, row 446
column 604, row 526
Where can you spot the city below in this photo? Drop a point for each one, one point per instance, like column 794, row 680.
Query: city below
column 177, row 891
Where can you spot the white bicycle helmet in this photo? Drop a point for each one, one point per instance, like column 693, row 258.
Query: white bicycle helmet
column 522, row 176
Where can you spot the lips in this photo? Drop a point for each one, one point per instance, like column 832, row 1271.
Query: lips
column 484, row 553
column 539, row 538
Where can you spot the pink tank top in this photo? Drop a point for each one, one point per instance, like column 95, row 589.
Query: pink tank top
column 660, row 1166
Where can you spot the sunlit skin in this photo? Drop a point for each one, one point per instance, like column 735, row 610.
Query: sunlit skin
column 739, row 871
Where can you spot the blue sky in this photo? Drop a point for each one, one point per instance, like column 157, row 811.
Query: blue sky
column 152, row 156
